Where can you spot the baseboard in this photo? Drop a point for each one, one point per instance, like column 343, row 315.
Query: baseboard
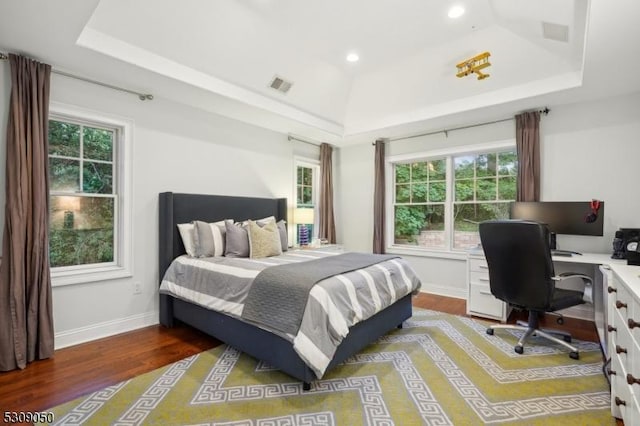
column 584, row 312
column 105, row 329
column 458, row 293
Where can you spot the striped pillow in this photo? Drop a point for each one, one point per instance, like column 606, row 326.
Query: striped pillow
column 209, row 238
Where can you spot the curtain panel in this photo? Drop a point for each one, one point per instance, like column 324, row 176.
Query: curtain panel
column 379, row 198
column 528, row 149
column 327, row 222
column 26, row 323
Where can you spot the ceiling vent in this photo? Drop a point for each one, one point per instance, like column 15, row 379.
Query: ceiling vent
column 555, row 32
column 280, row 84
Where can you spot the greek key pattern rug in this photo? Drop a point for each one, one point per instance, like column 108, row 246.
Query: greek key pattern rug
column 439, row 369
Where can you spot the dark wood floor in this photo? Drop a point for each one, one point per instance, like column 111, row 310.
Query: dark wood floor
column 85, row 368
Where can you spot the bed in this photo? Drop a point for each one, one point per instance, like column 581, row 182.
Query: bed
column 177, row 208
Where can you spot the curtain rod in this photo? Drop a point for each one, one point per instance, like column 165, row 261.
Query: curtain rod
column 307, row 141
column 544, row 111
column 141, row 96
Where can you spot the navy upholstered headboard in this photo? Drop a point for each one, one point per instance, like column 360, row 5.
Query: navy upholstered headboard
column 184, row 208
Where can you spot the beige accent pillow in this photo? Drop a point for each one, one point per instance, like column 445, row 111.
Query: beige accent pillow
column 264, row 241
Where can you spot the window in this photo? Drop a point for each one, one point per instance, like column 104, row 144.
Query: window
column 420, row 195
column 484, row 185
column 439, row 198
column 307, row 181
column 89, row 189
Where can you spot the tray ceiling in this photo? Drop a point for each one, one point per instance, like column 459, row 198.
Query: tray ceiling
column 223, row 55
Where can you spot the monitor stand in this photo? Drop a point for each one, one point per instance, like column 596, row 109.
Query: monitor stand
column 553, row 247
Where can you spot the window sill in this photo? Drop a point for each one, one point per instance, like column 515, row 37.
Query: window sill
column 438, row 254
column 83, row 276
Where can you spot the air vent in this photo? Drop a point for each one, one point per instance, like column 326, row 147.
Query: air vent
column 280, row 84
column 555, row 32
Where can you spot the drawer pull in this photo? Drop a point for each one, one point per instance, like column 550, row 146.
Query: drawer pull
column 611, row 372
column 486, row 293
column 620, row 402
column 611, row 289
column 620, row 304
column 484, row 279
column 611, row 328
column 632, row 380
column 620, row 350
column 633, row 324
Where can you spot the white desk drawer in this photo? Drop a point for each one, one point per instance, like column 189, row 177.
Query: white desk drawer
column 479, row 277
column 478, row 265
column 483, row 302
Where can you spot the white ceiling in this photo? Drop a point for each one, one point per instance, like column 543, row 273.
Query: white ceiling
column 221, row 56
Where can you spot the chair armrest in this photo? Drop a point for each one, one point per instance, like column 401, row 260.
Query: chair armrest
column 587, row 295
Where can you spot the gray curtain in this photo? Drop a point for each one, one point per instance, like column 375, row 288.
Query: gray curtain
column 528, row 148
column 26, row 323
column 378, row 199
column 327, row 222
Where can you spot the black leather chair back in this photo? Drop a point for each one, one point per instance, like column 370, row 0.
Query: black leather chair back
column 519, row 259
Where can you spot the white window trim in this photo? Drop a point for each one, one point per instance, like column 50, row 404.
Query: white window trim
column 123, row 265
column 448, row 153
column 315, row 165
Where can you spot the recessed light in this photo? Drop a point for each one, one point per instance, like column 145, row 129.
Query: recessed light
column 353, row 57
column 456, row 12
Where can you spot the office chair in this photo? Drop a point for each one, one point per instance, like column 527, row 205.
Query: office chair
column 521, row 274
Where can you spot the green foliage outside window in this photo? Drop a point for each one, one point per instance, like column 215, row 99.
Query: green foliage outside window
column 304, row 187
column 483, row 186
column 82, row 199
column 420, row 192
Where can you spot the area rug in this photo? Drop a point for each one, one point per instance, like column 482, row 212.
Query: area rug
column 439, row 369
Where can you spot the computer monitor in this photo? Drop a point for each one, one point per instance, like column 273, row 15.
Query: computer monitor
column 562, row 217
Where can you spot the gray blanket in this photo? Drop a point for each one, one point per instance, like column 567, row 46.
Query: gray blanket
column 278, row 295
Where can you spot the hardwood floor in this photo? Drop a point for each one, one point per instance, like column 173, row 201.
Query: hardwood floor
column 85, row 368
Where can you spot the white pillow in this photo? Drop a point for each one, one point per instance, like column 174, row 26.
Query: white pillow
column 187, row 234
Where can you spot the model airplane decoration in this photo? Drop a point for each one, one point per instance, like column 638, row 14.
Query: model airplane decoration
column 474, row 66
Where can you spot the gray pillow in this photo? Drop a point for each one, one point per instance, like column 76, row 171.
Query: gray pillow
column 237, row 240
column 209, row 238
column 284, row 239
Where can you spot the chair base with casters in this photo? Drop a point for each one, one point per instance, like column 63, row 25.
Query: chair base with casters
column 562, row 299
column 532, row 329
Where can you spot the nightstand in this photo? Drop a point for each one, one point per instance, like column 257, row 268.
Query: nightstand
column 334, row 248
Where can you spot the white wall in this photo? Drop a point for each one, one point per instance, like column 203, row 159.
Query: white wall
column 176, row 148
column 589, row 150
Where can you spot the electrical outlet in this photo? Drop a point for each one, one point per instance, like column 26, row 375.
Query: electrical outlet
column 137, row 287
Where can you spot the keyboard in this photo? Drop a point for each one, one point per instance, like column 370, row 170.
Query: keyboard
column 567, row 253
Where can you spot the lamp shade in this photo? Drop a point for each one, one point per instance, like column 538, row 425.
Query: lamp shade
column 303, row 216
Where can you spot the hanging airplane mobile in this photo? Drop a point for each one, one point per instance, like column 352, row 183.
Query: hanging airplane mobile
column 474, row 65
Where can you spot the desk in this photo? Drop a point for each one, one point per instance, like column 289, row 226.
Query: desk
column 616, row 312
column 480, row 301
column 601, row 274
